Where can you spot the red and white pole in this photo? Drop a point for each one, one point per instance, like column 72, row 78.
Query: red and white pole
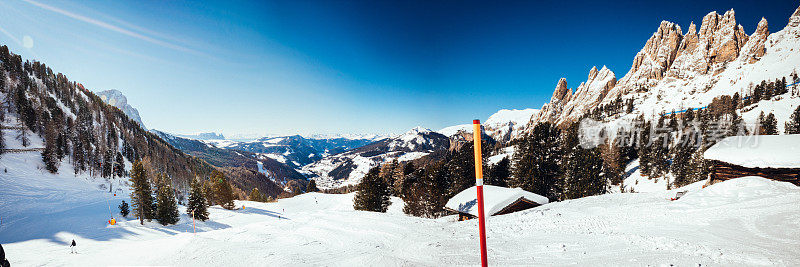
column 476, row 129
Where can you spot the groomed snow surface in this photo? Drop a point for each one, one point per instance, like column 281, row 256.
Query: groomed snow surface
column 747, row 221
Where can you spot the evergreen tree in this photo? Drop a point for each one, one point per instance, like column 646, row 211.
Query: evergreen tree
column 49, row 155
column 373, row 192
column 644, row 143
column 141, row 197
column 427, row 196
column 2, row 140
column 793, row 125
column 123, row 209
column 499, row 173
column 613, row 165
column 583, row 170
column 209, row 192
column 536, row 161
column 312, row 186
column 119, row 165
column 197, row 205
column 769, row 126
column 167, row 208
column 659, row 151
column 223, row 190
column 461, row 167
column 256, row 195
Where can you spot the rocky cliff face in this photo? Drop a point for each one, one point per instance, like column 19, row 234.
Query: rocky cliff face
column 677, row 70
column 117, row 99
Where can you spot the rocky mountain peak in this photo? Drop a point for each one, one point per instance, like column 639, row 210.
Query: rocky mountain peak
column 794, row 20
column 658, row 53
column 117, row 99
column 561, row 91
column 754, row 48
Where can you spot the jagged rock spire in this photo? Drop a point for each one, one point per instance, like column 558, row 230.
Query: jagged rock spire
column 794, row 20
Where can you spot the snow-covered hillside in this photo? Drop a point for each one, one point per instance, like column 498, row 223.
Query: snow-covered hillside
column 747, row 221
column 503, row 125
column 349, row 167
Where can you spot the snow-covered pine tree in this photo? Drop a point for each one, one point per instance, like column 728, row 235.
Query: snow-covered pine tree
column 793, row 125
column 141, row 197
column 167, row 210
column 224, row 193
column 197, row 205
column 373, row 192
column 124, row 209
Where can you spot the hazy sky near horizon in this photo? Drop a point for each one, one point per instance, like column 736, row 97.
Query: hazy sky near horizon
column 285, row 67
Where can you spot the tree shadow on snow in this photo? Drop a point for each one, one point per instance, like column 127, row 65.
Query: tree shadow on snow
column 258, row 211
column 82, row 222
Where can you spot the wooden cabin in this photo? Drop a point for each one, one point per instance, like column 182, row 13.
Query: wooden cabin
column 497, row 201
column 775, row 157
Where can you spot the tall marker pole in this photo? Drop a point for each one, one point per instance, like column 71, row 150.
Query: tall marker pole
column 476, row 129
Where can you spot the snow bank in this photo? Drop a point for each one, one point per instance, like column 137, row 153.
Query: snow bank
column 495, row 198
column 760, row 151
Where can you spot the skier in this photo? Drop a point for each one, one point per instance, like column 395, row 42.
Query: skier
column 3, row 260
column 72, row 247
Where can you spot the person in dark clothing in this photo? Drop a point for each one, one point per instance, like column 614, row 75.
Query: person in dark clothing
column 72, row 247
column 3, row 261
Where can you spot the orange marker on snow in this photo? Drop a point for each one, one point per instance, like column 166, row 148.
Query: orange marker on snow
column 476, row 140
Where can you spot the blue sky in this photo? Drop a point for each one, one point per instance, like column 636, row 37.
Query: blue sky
column 285, row 67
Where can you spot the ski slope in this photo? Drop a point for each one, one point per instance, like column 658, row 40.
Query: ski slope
column 747, row 221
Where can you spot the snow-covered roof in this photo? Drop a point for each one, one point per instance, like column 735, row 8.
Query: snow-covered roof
column 759, row 151
column 495, row 198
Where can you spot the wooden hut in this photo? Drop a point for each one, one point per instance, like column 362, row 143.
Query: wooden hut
column 497, row 201
column 775, row 157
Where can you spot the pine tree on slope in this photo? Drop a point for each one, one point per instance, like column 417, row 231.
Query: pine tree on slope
column 499, row 173
column 311, row 187
column 373, row 192
column 224, row 192
column 123, row 209
column 536, row 162
column 793, row 125
column 256, row 195
column 167, row 208
column 769, row 125
column 141, row 197
column 49, row 155
column 197, row 205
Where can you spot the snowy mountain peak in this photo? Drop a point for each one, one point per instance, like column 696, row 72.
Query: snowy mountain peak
column 117, row 99
column 417, row 130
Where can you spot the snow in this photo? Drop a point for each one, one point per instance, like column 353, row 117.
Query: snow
column 746, row 221
column 519, row 117
column 411, row 156
column 758, row 151
column 453, row 130
column 506, row 152
column 495, row 198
